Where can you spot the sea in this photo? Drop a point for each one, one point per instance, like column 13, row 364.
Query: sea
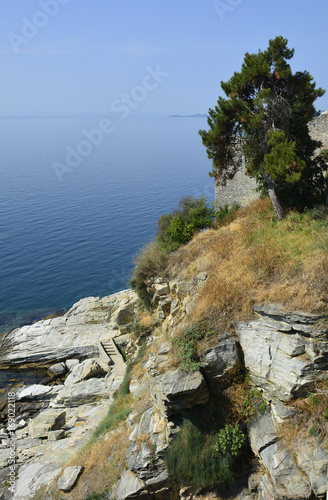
column 79, row 198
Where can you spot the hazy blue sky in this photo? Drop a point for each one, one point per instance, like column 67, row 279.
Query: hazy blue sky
column 86, row 56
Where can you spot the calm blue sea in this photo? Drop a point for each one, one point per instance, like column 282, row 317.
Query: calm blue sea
column 62, row 240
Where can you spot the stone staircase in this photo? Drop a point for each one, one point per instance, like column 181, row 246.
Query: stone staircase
column 111, row 356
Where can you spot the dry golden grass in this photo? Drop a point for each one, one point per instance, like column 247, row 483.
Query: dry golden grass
column 310, row 420
column 145, row 319
column 103, row 463
column 257, row 259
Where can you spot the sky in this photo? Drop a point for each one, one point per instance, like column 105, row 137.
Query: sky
column 90, row 57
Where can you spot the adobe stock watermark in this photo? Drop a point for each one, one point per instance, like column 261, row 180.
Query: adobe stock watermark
column 223, row 6
column 121, row 107
column 31, row 27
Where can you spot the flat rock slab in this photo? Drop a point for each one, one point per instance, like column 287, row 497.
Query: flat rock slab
column 85, row 392
column 32, row 392
column 33, row 476
column 69, row 478
column 51, row 341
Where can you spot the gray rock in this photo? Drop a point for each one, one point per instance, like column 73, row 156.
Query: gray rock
column 32, row 477
column 175, row 307
column 69, row 478
column 56, row 435
column 277, row 312
column 161, row 288
column 48, row 420
column 313, row 459
column 70, row 336
column 87, row 391
column 128, row 486
column 262, row 433
column 180, row 390
column 32, row 392
column 284, row 365
column 165, row 348
column 83, row 371
column 4, row 456
column 221, row 360
column 57, row 370
column 184, row 288
column 288, row 481
column 71, row 363
column 158, row 482
column 151, row 431
column 281, row 412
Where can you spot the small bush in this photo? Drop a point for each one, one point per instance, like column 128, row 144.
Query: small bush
column 186, row 345
column 179, row 227
column 231, row 440
column 223, row 212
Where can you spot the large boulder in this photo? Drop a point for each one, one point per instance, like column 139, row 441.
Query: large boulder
column 33, row 392
column 221, row 360
column 85, row 370
column 57, row 370
column 286, row 355
column 85, row 392
column 180, row 390
column 48, row 420
column 69, row 478
column 129, row 486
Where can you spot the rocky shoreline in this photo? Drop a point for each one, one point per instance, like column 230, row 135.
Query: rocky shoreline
column 285, row 353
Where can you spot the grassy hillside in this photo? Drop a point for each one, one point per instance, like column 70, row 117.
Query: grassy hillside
column 251, row 257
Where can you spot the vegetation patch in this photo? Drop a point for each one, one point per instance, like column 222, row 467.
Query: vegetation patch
column 208, row 449
column 311, row 417
column 257, row 258
column 186, row 345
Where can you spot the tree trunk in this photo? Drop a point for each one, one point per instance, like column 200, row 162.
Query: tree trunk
column 273, row 197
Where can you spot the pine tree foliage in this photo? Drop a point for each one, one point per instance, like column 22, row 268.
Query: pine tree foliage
column 265, row 118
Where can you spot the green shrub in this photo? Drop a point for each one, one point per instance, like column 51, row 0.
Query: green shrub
column 224, row 211
column 230, row 442
column 186, row 345
column 179, row 227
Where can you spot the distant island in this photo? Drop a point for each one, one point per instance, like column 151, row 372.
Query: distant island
column 188, row 116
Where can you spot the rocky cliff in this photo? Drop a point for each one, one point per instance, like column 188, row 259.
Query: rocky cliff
column 119, row 402
column 285, row 354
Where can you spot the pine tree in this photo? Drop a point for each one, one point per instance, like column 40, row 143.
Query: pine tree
column 264, row 117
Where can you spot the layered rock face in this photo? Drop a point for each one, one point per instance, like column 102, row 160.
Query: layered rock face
column 74, row 335
column 284, row 353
